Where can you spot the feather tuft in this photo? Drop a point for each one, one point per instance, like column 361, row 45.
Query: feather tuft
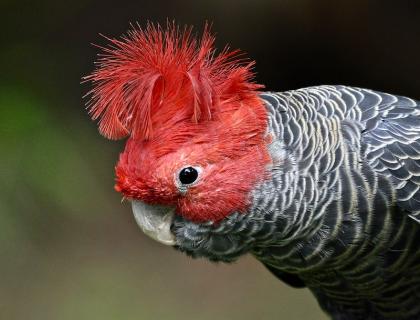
column 152, row 76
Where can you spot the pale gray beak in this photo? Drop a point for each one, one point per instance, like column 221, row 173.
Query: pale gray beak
column 155, row 221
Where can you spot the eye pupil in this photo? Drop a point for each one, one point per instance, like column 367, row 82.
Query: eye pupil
column 188, row 175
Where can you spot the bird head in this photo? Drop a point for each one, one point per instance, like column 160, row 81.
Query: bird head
column 196, row 136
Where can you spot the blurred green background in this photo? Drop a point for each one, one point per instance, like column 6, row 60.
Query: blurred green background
column 68, row 248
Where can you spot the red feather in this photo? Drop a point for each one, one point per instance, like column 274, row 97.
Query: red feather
column 152, row 77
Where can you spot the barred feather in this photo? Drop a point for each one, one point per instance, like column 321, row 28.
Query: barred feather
column 341, row 211
column 335, row 179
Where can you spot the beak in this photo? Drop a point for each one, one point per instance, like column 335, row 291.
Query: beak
column 155, row 221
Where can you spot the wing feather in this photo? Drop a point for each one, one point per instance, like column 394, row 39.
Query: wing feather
column 393, row 144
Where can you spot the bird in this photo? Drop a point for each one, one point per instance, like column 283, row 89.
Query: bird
column 320, row 184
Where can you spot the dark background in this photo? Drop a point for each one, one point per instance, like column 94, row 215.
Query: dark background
column 68, row 248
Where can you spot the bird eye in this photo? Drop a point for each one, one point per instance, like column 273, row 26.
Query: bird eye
column 188, row 175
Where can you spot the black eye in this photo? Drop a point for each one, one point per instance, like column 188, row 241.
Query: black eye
column 188, row 175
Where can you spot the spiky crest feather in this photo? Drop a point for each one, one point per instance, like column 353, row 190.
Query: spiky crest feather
column 152, row 76
column 180, row 103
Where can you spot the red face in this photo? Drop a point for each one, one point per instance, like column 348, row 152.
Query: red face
column 225, row 160
column 183, row 106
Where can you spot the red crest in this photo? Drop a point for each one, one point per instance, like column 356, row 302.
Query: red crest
column 153, row 75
